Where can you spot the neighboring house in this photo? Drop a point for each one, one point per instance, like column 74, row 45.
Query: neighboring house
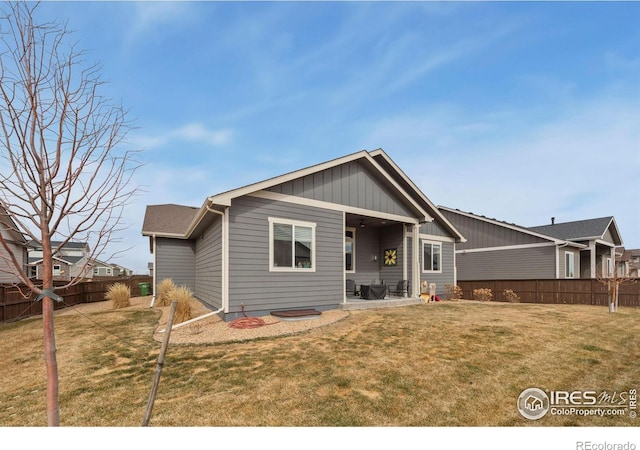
column 600, row 236
column 627, row 262
column 498, row 250
column 293, row 241
column 103, row 269
column 69, row 262
column 17, row 245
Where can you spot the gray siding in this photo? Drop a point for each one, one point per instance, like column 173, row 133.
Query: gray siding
column 367, row 245
column 481, row 234
column 446, row 276
column 374, row 241
column 350, row 184
column 175, row 259
column 208, row 266
column 512, row 264
column 20, row 254
column 252, row 284
column 391, row 238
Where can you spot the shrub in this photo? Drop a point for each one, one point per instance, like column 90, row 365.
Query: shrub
column 164, row 289
column 119, row 294
column 484, row 295
column 183, row 296
column 454, row 292
column 510, row 296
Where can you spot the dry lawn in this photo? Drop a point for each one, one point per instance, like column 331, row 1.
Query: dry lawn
column 447, row 364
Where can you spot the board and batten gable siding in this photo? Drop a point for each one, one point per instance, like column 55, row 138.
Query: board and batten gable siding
column 434, row 228
column 175, row 259
column 509, row 264
column 208, row 265
column 482, row 234
column 253, row 285
column 350, row 184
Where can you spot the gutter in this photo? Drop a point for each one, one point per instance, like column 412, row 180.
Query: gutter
column 155, row 270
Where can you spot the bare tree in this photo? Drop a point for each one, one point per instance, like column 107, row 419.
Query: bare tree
column 63, row 173
column 613, row 280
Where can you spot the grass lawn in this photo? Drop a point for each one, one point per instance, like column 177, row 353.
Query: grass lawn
column 447, row 364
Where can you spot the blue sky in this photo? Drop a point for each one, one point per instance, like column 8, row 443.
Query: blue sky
column 514, row 110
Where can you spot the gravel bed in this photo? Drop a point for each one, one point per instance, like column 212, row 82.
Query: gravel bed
column 212, row 329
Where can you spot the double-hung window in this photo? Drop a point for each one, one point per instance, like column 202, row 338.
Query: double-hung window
column 431, row 256
column 292, row 245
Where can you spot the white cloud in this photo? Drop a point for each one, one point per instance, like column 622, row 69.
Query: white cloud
column 192, row 132
column 584, row 163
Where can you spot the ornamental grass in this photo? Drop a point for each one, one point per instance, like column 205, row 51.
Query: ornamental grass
column 119, row 294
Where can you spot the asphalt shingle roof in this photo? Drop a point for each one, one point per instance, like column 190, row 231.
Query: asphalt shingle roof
column 580, row 229
column 168, row 219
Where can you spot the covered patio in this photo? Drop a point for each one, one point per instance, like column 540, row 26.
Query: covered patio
column 377, row 259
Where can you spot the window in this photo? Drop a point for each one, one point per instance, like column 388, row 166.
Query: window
column 292, row 245
column 431, row 257
column 350, row 249
column 96, row 271
column 56, row 270
column 569, row 268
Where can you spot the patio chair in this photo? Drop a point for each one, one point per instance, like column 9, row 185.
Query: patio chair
column 351, row 288
column 401, row 288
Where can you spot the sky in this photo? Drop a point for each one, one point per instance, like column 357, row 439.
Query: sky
column 519, row 111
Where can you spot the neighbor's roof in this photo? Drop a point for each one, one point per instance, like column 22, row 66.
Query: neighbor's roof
column 37, row 245
column 168, row 219
column 580, row 230
column 511, row 226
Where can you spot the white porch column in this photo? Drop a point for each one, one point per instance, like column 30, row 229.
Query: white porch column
column 592, row 258
column 415, row 263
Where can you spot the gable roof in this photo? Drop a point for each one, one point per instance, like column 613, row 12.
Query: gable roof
column 181, row 221
column 582, row 230
column 168, row 219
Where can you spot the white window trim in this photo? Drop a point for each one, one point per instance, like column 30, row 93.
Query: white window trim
column 432, row 243
column 353, row 249
column 272, row 268
column 572, row 258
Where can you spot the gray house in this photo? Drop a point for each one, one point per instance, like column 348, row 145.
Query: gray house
column 498, row 250
column 69, row 262
column 16, row 245
column 294, row 241
column 599, row 236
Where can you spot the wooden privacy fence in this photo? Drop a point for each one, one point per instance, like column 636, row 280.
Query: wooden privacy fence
column 14, row 306
column 577, row 292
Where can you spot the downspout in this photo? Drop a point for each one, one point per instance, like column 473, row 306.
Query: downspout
column 224, row 303
column 224, row 300
column 155, row 270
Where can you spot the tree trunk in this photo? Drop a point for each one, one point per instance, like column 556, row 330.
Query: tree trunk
column 53, row 412
column 51, row 363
